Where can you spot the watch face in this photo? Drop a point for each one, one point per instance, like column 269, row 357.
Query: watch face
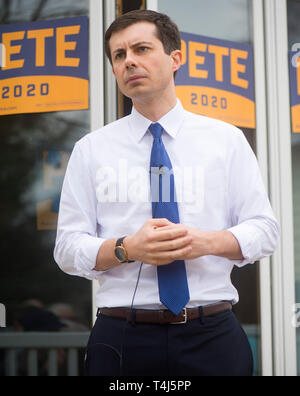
column 120, row 253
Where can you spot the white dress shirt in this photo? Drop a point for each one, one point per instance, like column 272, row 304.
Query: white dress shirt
column 106, row 194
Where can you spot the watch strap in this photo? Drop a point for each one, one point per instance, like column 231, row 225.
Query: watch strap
column 120, row 241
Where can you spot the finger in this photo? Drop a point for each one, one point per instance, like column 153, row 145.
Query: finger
column 165, row 258
column 166, row 227
column 172, row 226
column 160, row 222
column 174, row 244
column 169, row 233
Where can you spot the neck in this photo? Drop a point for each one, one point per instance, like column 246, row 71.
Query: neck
column 154, row 109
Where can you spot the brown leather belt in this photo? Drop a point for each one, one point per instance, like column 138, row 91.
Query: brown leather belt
column 165, row 316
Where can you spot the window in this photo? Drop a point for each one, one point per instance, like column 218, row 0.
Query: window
column 34, row 151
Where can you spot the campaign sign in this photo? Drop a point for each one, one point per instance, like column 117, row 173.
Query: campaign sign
column 295, row 90
column 217, row 79
column 44, row 66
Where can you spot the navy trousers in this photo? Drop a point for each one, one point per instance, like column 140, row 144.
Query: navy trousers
column 209, row 346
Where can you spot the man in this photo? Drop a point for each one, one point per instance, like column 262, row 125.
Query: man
column 159, row 206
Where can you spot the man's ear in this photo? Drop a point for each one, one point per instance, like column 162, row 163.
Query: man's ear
column 177, row 60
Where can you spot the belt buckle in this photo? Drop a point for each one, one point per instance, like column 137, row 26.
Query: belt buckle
column 185, row 318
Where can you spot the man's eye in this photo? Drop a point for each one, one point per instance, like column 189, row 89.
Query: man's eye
column 143, row 49
column 119, row 56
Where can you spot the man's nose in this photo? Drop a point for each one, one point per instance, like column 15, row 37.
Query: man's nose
column 130, row 60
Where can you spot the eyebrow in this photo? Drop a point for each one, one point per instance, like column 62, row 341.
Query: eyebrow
column 132, row 46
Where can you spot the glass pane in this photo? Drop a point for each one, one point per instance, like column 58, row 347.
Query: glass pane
column 34, row 151
column 294, row 38
column 215, row 19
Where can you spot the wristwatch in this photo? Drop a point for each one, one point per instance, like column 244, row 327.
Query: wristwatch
column 121, row 252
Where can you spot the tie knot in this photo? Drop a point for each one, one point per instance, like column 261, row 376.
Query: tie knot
column 156, row 130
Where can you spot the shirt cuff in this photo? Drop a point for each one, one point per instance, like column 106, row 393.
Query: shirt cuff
column 246, row 236
column 86, row 259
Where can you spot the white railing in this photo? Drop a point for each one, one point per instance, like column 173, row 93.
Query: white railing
column 29, row 346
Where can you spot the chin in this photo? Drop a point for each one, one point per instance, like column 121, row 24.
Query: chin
column 137, row 93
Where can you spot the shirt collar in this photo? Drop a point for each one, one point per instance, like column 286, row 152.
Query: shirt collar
column 171, row 122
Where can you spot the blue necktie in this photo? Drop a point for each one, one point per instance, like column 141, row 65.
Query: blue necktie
column 172, row 279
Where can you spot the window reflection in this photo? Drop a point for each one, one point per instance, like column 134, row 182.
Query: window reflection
column 227, row 20
column 12, row 11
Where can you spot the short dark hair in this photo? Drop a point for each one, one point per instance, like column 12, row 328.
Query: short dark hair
column 167, row 30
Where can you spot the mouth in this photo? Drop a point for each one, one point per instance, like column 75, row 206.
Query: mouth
column 133, row 79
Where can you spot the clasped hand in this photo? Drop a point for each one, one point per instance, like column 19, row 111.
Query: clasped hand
column 160, row 242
